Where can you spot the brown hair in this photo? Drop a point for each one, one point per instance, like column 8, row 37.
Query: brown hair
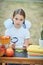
column 19, row 11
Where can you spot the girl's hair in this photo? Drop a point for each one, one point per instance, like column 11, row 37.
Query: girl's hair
column 19, row 11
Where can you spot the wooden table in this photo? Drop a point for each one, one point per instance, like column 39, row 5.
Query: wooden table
column 19, row 60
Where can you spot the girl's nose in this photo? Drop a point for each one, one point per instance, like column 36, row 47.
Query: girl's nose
column 18, row 21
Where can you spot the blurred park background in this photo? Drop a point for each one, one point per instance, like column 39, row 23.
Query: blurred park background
column 34, row 14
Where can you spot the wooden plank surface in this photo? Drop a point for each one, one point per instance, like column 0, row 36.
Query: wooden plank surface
column 18, row 60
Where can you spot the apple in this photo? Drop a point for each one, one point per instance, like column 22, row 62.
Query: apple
column 2, row 50
column 9, row 52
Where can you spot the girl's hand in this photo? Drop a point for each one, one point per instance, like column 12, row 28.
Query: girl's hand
column 24, row 47
column 12, row 45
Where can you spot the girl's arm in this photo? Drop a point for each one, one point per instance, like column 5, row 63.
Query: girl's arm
column 26, row 38
column 26, row 43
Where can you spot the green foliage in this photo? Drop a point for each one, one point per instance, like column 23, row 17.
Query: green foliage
column 42, row 33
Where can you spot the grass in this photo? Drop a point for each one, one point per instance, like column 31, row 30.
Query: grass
column 34, row 13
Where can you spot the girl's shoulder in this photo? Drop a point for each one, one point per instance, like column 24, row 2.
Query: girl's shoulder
column 8, row 23
column 28, row 24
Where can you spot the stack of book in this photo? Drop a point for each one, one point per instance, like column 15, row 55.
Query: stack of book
column 35, row 51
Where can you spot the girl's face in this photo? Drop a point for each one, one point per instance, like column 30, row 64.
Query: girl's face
column 18, row 20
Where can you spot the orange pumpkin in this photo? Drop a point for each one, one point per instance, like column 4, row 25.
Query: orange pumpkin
column 4, row 39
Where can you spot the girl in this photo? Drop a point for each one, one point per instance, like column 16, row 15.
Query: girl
column 18, row 31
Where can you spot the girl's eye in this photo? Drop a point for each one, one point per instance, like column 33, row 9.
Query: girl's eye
column 16, row 18
column 21, row 19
